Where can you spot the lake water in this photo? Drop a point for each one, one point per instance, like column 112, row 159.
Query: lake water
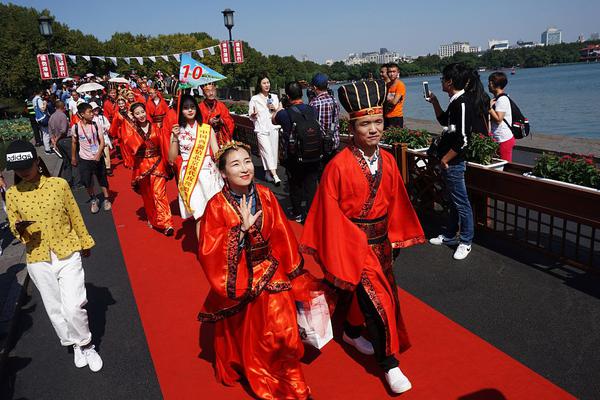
column 560, row 100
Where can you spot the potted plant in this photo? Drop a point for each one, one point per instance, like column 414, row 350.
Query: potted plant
column 415, row 139
column 570, row 170
column 13, row 129
column 483, row 150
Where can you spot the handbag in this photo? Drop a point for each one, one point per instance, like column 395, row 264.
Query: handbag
column 314, row 320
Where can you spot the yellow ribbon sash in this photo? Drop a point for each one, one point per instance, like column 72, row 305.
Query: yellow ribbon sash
column 194, row 164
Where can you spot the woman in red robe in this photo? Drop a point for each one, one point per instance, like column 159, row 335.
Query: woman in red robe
column 250, row 257
column 120, row 120
column 148, row 145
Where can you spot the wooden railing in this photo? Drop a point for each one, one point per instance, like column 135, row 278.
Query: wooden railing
column 560, row 221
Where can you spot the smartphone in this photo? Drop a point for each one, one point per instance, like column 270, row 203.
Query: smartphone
column 426, row 90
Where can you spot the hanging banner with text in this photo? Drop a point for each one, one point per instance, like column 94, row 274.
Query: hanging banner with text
column 61, row 66
column 44, row 64
column 225, row 54
column 193, row 73
column 238, row 52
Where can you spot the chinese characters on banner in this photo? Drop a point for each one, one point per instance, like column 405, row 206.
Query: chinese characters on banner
column 225, row 54
column 44, row 64
column 238, row 52
column 61, row 66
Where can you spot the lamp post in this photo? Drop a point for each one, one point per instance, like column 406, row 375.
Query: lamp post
column 228, row 21
column 46, row 29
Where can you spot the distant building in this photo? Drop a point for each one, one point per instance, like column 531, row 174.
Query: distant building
column 595, row 36
column 495, row 44
column 329, row 62
column 551, row 36
column 383, row 56
column 580, row 39
column 448, row 50
column 521, row 43
column 590, row 53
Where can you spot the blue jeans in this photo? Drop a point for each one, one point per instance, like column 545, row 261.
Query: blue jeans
column 461, row 214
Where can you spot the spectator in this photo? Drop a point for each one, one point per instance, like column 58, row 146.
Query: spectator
column 328, row 113
column 95, row 98
column 302, row 175
column 74, row 101
column 501, row 115
column 86, row 133
column 451, row 150
column 40, row 106
column 394, row 105
column 104, row 129
column 61, row 139
column 35, row 127
column 44, row 215
column 383, row 73
column 262, row 106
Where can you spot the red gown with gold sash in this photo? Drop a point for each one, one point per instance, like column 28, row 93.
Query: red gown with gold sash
column 355, row 220
column 150, row 169
column 251, row 299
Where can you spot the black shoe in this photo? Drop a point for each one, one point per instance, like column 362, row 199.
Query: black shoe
column 109, row 172
column 48, row 152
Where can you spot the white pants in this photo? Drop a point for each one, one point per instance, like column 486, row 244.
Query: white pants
column 62, row 287
column 45, row 137
column 268, row 144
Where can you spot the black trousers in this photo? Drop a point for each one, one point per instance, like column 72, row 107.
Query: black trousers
column 66, row 170
column 393, row 121
column 375, row 328
column 303, row 180
column 36, row 131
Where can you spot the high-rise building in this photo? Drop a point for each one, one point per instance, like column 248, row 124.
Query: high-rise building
column 551, row 36
column 595, row 36
column 448, row 50
column 580, row 38
column 495, row 44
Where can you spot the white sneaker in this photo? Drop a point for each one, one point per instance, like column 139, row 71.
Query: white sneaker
column 462, row 251
column 441, row 239
column 107, row 205
column 398, row 382
column 360, row 343
column 79, row 357
column 94, row 206
column 276, row 180
column 93, row 359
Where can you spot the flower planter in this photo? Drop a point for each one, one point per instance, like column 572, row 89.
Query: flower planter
column 561, row 183
column 496, row 164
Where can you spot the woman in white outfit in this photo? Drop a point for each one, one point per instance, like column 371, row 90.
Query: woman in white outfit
column 183, row 141
column 261, row 108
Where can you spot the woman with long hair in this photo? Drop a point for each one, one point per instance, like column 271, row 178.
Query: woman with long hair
column 120, row 119
column 148, row 146
column 262, row 107
column 480, row 101
column 193, row 147
column 250, row 257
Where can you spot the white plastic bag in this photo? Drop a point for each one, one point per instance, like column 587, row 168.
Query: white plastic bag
column 314, row 320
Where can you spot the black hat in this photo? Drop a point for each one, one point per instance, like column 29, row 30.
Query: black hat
column 363, row 98
column 20, row 155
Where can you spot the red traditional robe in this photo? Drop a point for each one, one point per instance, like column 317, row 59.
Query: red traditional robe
column 156, row 112
column 355, row 220
column 224, row 130
column 109, row 108
column 150, row 171
column 116, row 131
column 251, row 299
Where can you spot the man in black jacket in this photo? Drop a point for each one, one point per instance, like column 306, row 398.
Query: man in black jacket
column 451, row 151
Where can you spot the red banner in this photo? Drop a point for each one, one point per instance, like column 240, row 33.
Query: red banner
column 44, row 64
column 225, row 54
column 238, row 52
column 61, row 66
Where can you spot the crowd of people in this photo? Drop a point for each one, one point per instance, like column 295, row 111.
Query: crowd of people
column 246, row 247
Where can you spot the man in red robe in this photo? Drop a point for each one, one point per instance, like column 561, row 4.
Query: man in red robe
column 362, row 195
column 216, row 114
column 110, row 105
column 156, row 107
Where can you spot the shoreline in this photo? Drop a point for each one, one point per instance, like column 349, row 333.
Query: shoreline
column 536, row 142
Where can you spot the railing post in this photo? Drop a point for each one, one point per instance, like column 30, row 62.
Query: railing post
column 399, row 150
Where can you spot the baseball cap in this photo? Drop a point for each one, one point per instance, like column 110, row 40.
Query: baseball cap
column 20, row 155
column 320, row 80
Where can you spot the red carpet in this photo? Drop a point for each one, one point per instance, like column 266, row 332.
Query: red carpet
column 445, row 362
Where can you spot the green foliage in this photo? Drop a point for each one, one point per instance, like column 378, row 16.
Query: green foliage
column 239, row 108
column 576, row 168
column 482, row 149
column 13, row 129
column 415, row 139
column 344, row 130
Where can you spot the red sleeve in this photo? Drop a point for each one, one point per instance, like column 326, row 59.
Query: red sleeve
column 228, row 123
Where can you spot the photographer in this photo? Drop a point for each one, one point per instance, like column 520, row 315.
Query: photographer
column 303, row 148
column 451, row 151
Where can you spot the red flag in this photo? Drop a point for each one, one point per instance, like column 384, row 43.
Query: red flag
column 61, row 66
column 44, row 64
column 238, row 52
column 225, row 54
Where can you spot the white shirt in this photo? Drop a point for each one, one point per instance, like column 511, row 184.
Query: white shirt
column 262, row 122
column 502, row 132
column 73, row 105
column 372, row 162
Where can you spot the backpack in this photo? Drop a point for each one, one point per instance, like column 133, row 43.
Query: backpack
column 520, row 124
column 306, row 140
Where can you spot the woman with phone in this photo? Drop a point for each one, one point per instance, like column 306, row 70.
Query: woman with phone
column 262, row 107
column 43, row 214
column 193, row 147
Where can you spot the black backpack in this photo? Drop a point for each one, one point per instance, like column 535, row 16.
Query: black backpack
column 520, row 124
column 306, row 140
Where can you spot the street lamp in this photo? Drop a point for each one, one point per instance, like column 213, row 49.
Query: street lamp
column 228, row 21
column 46, row 28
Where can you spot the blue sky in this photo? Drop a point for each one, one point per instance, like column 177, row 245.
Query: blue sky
column 331, row 29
